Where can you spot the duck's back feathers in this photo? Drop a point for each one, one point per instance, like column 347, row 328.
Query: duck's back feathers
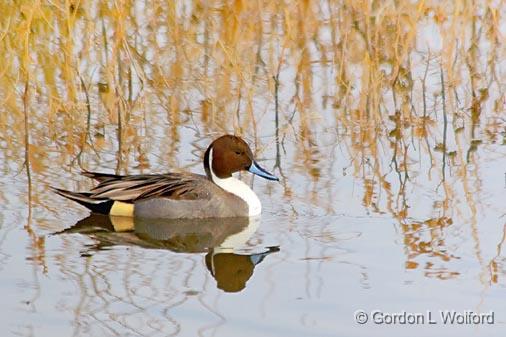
column 171, row 195
column 131, row 188
column 100, row 177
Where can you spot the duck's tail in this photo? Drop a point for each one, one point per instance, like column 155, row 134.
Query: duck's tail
column 102, row 206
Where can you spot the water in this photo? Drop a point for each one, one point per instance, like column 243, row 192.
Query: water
column 159, row 280
column 391, row 192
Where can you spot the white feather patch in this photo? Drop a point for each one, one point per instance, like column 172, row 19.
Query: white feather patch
column 238, row 240
column 237, row 187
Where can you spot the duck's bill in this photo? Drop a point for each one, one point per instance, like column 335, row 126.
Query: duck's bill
column 259, row 171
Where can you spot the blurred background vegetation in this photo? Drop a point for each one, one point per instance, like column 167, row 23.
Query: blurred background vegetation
column 406, row 97
column 384, row 119
column 403, row 88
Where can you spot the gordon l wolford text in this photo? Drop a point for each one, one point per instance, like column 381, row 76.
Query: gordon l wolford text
column 448, row 317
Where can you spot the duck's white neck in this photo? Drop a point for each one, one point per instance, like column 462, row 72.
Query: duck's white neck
column 237, row 187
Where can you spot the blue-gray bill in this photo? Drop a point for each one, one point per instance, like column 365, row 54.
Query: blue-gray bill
column 259, row 171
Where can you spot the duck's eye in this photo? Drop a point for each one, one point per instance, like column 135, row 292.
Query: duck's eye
column 238, row 153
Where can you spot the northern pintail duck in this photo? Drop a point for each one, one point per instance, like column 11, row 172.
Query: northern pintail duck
column 180, row 195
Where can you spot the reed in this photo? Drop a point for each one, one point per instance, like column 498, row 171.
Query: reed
column 102, row 75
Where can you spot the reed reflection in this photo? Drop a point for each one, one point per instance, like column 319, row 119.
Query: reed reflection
column 228, row 259
column 416, row 99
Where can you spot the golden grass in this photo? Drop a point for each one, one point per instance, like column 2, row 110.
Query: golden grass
column 73, row 69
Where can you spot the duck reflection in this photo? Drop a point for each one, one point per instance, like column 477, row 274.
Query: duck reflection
column 220, row 239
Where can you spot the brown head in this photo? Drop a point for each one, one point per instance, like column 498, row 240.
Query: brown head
column 229, row 154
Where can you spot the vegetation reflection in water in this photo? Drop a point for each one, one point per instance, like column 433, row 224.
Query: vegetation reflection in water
column 389, row 109
column 222, row 240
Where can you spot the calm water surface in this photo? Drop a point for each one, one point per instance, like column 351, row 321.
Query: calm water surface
column 300, row 270
column 391, row 193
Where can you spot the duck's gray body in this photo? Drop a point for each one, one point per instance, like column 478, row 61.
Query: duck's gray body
column 167, row 196
column 207, row 201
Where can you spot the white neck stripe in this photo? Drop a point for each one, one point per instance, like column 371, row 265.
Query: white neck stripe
column 238, row 188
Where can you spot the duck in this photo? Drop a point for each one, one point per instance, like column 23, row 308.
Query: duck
column 180, row 195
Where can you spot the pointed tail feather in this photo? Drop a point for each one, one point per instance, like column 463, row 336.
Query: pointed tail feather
column 102, row 206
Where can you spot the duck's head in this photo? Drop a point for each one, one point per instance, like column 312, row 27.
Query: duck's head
column 229, row 154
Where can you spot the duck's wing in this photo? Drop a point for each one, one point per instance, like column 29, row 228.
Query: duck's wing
column 100, row 177
column 131, row 188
